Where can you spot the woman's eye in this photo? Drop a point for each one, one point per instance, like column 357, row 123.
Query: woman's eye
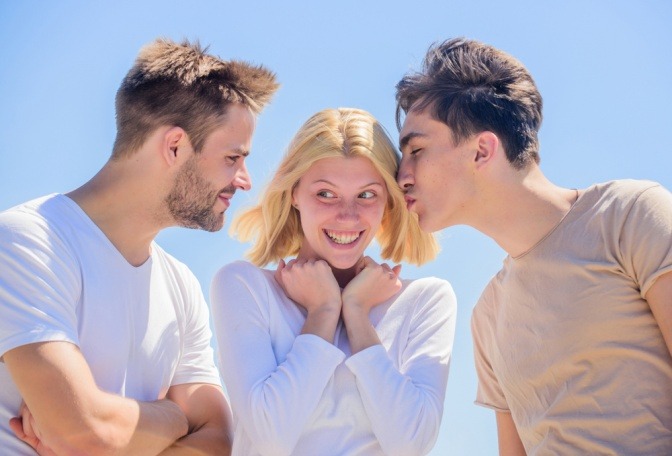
column 325, row 194
column 367, row 194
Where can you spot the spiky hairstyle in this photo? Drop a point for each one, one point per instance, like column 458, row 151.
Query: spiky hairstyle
column 182, row 85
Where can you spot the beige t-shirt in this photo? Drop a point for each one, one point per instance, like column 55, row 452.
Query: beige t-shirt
column 564, row 338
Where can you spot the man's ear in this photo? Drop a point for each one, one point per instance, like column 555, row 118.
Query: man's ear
column 174, row 142
column 487, row 148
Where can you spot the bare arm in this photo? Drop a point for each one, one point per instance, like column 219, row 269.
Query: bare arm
column 507, row 434
column 659, row 298
column 74, row 416
column 210, row 421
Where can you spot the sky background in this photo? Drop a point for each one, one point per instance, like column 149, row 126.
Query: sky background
column 603, row 68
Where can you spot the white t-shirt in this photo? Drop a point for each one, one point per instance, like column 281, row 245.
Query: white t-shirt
column 141, row 329
column 300, row 395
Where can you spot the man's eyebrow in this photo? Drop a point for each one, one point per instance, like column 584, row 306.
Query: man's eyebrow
column 403, row 142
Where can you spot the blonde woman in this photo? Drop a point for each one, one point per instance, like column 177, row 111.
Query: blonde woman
column 332, row 353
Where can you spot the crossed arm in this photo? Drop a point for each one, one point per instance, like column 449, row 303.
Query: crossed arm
column 68, row 414
column 210, row 420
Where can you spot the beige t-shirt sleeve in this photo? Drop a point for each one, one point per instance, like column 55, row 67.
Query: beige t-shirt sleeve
column 489, row 394
column 646, row 238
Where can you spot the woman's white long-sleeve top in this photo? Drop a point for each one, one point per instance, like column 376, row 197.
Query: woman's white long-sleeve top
column 294, row 394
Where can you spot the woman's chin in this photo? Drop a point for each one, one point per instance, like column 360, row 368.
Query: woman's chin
column 343, row 263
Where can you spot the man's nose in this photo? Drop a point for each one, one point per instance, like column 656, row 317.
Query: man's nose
column 404, row 176
column 243, row 180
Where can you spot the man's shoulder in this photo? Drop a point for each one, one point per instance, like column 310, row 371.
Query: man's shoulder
column 489, row 296
column 42, row 221
column 617, row 198
column 31, row 211
column 624, row 188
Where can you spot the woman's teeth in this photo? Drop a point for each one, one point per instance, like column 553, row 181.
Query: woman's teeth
column 342, row 238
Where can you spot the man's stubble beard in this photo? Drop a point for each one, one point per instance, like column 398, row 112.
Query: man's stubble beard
column 192, row 199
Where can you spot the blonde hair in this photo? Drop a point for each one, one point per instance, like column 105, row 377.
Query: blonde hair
column 274, row 224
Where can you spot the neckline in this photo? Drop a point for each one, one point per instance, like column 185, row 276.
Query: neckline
column 579, row 194
column 101, row 234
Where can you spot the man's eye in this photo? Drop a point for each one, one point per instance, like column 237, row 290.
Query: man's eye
column 233, row 158
column 415, row 151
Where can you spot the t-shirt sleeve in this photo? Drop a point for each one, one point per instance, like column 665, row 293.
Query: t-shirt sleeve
column 197, row 362
column 646, row 237
column 489, row 393
column 40, row 283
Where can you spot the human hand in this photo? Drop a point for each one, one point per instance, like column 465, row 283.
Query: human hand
column 25, row 428
column 373, row 284
column 310, row 283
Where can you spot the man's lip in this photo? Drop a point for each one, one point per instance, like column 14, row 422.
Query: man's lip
column 409, row 201
column 226, row 198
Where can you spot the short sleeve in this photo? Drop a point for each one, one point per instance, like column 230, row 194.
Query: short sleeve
column 489, row 393
column 197, row 362
column 646, row 237
column 40, row 283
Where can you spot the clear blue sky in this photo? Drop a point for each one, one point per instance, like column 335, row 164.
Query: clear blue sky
column 603, row 68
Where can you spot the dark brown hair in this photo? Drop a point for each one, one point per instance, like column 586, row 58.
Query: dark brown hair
column 473, row 87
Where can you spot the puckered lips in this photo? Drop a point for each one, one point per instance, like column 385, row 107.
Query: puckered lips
column 410, row 201
column 344, row 238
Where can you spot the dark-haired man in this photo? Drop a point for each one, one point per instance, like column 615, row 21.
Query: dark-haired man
column 573, row 336
column 104, row 337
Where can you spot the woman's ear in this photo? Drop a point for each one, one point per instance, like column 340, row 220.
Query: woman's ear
column 295, row 203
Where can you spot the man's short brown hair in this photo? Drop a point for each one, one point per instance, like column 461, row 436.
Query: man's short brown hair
column 181, row 85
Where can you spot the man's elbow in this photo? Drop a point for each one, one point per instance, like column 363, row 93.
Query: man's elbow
column 209, row 440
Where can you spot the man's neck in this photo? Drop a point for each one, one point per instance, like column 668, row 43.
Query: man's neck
column 519, row 213
column 125, row 208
